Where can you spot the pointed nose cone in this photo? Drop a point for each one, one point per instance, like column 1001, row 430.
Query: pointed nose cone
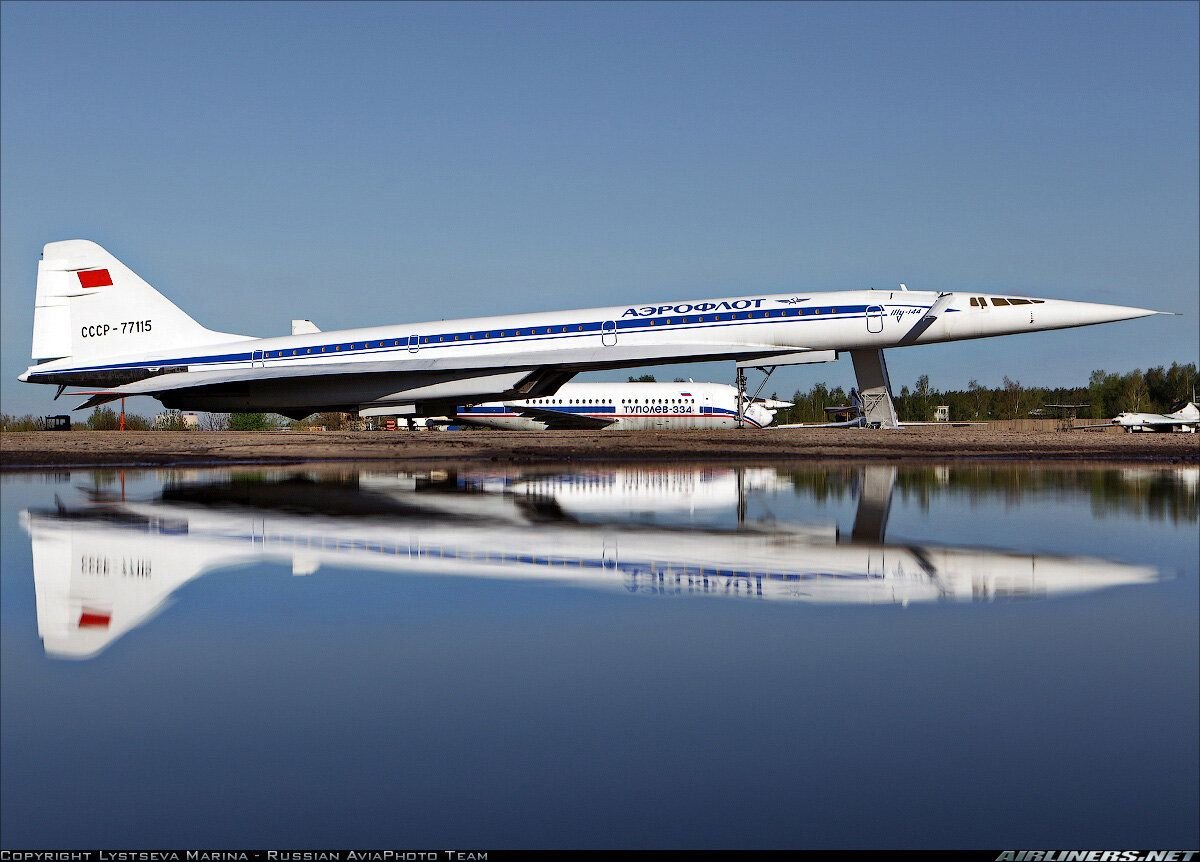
column 24, row 376
column 1062, row 313
column 1094, row 312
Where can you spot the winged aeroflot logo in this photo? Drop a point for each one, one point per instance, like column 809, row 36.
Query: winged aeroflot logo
column 795, row 300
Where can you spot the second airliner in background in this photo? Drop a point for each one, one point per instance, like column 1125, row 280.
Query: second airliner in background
column 624, row 406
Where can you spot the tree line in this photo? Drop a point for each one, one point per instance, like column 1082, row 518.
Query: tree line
column 1155, row 390
column 107, row 419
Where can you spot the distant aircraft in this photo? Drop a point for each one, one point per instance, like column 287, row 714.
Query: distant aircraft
column 103, row 569
column 1184, row 420
column 623, row 406
column 97, row 324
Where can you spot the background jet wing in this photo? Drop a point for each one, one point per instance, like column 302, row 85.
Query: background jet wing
column 849, row 423
column 560, row 419
column 466, row 421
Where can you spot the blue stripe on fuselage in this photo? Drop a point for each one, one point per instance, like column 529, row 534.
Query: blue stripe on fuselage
column 492, row 336
column 558, row 408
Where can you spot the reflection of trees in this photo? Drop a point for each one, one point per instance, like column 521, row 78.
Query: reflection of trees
column 826, row 483
column 1156, row 494
column 1163, row 494
column 102, row 478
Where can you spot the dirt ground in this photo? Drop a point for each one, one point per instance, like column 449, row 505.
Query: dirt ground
column 82, row 448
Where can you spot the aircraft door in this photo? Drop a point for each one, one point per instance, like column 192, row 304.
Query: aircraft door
column 256, row 359
column 875, row 315
column 608, row 333
column 414, row 343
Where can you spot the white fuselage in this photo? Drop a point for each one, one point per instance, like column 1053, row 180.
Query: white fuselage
column 531, row 355
column 628, row 406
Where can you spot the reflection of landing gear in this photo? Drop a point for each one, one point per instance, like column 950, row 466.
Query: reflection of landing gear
column 875, row 484
column 742, row 400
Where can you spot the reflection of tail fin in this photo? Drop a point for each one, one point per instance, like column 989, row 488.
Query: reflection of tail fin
column 93, row 582
column 89, row 306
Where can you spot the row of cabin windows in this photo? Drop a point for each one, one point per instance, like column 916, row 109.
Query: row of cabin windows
column 611, row 402
column 981, row 302
column 549, row 330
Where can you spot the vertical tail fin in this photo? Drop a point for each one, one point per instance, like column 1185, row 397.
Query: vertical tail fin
column 89, row 305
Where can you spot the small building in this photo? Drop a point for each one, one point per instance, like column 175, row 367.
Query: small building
column 175, row 419
column 942, row 413
column 58, row 423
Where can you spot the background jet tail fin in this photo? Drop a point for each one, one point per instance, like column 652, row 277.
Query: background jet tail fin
column 89, row 305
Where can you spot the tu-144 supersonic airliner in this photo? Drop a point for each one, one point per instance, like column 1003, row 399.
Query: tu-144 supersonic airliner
column 98, row 325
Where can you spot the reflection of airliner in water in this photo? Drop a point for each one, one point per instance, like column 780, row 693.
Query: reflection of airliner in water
column 623, row 406
column 102, row 570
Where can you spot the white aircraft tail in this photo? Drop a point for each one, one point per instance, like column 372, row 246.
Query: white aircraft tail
column 1190, row 413
column 90, row 306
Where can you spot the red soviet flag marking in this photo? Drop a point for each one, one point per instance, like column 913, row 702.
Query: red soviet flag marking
column 94, row 619
column 95, row 278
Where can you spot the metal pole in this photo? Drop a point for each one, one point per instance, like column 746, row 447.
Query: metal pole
column 741, row 496
column 122, row 414
column 741, row 396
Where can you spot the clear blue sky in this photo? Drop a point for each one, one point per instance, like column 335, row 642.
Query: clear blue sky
column 362, row 164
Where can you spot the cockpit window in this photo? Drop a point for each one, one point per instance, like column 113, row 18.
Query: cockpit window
column 999, row 300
